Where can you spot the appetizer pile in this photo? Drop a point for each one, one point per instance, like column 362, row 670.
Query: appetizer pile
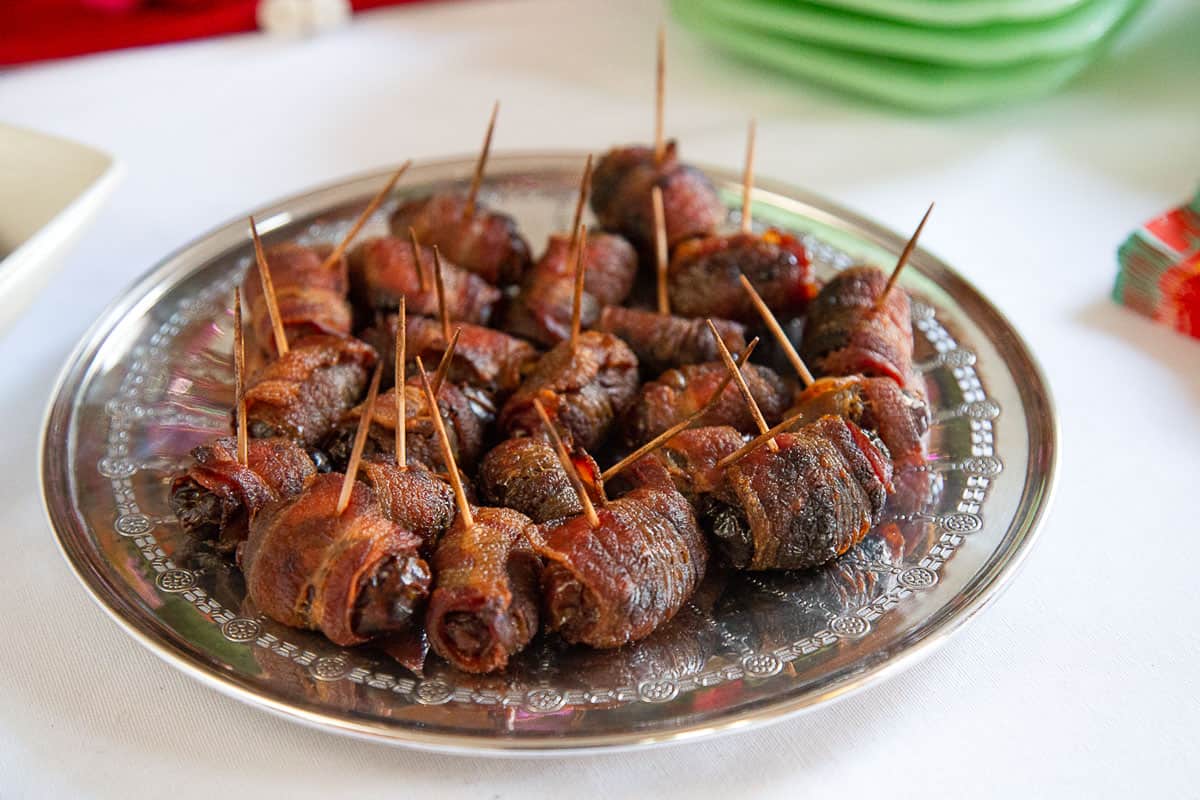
column 422, row 420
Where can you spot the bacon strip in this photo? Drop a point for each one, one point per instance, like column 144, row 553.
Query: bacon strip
column 311, row 297
column 303, row 394
column 807, row 503
column 413, row 498
column 382, row 270
column 351, row 576
column 617, row 582
column 680, row 392
column 688, row 461
column 621, row 201
column 488, row 243
column 217, row 496
column 846, row 336
column 525, row 474
column 484, row 607
column 703, row 277
column 583, row 391
column 661, row 343
column 541, row 311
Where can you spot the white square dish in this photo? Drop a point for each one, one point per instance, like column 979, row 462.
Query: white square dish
column 51, row 189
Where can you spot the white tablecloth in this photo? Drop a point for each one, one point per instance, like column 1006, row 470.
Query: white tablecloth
column 1080, row 681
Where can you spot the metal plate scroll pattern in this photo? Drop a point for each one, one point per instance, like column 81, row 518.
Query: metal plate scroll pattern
column 152, row 380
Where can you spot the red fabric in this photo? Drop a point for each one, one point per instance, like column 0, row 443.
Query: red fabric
column 39, row 30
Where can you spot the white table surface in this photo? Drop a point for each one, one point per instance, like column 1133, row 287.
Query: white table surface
column 1080, row 681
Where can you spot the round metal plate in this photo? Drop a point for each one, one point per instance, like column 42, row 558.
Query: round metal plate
column 152, row 379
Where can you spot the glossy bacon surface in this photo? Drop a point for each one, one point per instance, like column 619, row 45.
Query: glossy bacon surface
column 845, row 336
column 350, row 576
column 303, row 394
column 463, row 428
column 488, row 243
column 680, row 392
column 703, row 278
column 806, row 504
column 541, row 311
column 661, row 343
column 688, row 461
column 413, row 498
column 382, row 270
column 621, row 188
column 583, row 390
column 311, row 298
column 486, row 359
column 217, row 496
column 484, row 606
column 899, row 416
column 525, row 474
column 617, row 582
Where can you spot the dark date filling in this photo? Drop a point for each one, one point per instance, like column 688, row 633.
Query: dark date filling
column 199, row 511
column 467, row 634
column 320, row 460
column 388, row 600
column 731, row 530
column 259, row 429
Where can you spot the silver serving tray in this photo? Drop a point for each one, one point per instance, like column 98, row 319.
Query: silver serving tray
column 152, row 379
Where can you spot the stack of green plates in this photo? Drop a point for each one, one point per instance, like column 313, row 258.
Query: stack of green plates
column 935, row 55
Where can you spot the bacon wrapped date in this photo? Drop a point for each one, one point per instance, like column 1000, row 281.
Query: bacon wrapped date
column 899, row 416
column 382, row 270
column 541, row 311
column 845, row 335
column 621, row 188
column 617, row 582
column 703, row 277
column 525, row 474
column 303, row 393
column 680, row 392
column 463, row 428
column 352, row 576
column 217, row 496
column 583, row 390
column 413, row 498
column 484, row 606
column 487, row 360
column 805, row 504
column 486, row 243
column 661, row 343
column 311, row 297
column 688, row 461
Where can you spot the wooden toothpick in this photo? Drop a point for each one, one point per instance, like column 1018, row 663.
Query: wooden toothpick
column 268, row 287
column 904, row 254
column 748, row 178
column 376, row 201
column 756, row 442
column 439, row 375
column 736, row 372
column 443, row 313
column 239, row 380
column 577, row 299
column 585, row 187
column 477, row 179
column 360, row 440
column 660, row 74
column 661, row 256
column 568, row 466
column 772, row 323
column 401, row 398
column 680, row 426
column 422, row 281
column 460, row 496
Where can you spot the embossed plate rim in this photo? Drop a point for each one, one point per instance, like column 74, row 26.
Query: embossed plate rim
column 979, row 591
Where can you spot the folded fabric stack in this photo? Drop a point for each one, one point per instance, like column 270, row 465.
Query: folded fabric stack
column 936, row 55
column 1160, row 269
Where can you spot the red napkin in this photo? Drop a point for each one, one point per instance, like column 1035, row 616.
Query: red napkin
column 38, row 30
